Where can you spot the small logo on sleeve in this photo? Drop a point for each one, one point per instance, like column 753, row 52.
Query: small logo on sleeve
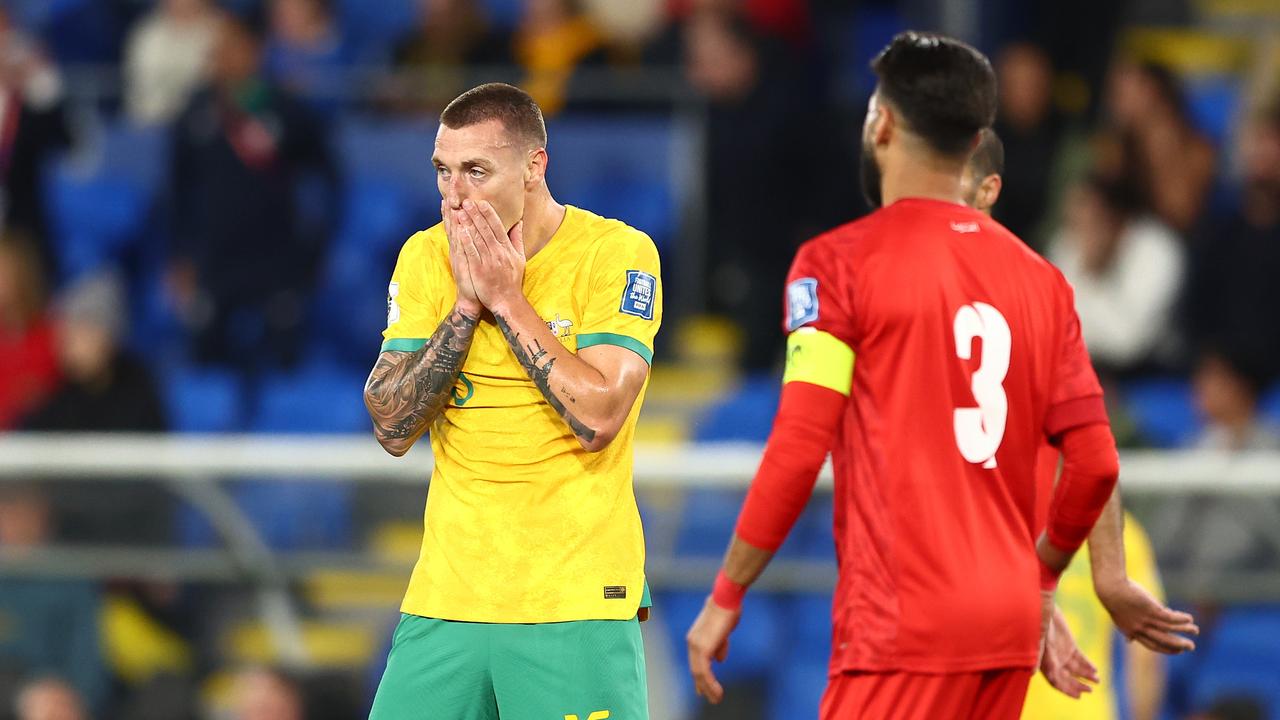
column 615, row 592
column 802, row 302
column 638, row 298
column 393, row 310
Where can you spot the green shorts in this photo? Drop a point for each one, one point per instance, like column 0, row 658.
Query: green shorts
column 446, row 670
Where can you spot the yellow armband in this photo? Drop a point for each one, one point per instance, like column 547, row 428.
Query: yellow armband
column 819, row 358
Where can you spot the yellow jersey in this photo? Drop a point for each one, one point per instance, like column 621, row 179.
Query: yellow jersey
column 1094, row 633
column 522, row 525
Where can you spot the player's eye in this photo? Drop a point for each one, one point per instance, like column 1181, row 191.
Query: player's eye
column 477, row 173
column 442, row 171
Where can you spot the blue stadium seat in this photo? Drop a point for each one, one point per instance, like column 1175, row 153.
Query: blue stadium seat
column 745, row 415
column 294, row 515
column 375, row 27
column 796, row 689
column 707, row 521
column 315, row 400
column 100, row 200
column 620, row 168
column 203, row 400
column 1163, row 410
column 1241, row 655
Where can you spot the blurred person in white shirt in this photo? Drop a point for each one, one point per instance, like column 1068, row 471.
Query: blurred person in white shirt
column 167, row 58
column 1126, row 267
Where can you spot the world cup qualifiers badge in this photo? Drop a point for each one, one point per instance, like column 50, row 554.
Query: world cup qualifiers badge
column 638, row 298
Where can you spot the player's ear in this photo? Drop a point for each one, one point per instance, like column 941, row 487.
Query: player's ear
column 989, row 191
column 536, row 168
column 883, row 124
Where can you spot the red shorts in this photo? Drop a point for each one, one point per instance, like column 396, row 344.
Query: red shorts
column 987, row 695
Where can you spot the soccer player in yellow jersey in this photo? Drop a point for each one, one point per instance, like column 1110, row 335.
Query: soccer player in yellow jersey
column 1113, row 594
column 519, row 334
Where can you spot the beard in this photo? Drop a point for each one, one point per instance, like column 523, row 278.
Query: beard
column 869, row 174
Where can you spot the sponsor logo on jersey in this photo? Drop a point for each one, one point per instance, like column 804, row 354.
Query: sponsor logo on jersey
column 638, row 298
column 964, row 227
column 393, row 310
column 615, row 592
column 802, row 302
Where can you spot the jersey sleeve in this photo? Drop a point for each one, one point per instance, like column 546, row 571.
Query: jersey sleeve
column 1075, row 397
column 624, row 302
column 414, row 300
column 818, row 323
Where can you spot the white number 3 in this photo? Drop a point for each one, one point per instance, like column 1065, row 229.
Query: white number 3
column 980, row 430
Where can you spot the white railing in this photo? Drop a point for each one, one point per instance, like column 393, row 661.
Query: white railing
column 358, row 458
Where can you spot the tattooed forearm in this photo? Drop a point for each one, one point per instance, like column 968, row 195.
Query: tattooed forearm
column 530, row 356
column 406, row 391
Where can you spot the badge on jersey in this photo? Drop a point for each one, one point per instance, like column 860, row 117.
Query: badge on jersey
column 802, row 302
column 638, row 298
column 393, row 310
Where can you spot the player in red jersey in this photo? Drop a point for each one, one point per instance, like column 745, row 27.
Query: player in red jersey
column 969, row 355
column 1135, row 612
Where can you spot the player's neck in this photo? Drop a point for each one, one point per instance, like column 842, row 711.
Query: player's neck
column 921, row 176
column 542, row 218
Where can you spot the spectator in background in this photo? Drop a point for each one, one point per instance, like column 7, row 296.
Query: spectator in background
column 28, row 363
column 1126, row 268
column 245, row 256
column 1032, row 132
column 267, row 694
column 1232, row 298
column 432, row 60
column 49, row 699
column 47, row 627
column 752, row 132
column 1227, row 391
column 105, row 388
column 307, row 54
column 166, row 58
column 1155, row 145
column 33, row 127
column 552, row 40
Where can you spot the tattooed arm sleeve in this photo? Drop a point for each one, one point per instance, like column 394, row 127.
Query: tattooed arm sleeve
column 593, row 391
column 407, row 390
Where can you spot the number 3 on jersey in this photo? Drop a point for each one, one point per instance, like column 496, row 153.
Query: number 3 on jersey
column 980, row 430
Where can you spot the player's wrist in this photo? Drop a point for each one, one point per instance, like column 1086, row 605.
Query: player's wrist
column 727, row 594
column 471, row 308
column 1048, row 577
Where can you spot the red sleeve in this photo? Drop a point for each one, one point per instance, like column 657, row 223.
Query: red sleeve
column 1090, row 467
column 818, row 293
column 802, row 435
column 1075, row 396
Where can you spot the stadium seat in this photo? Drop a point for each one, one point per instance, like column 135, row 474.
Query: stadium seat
column 375, row 27
column 203, row 401
column 795, row 691
column 294, row 515
column 746, row 415
column 315, row 400
column 100, row 200
column 707, row 521
column 1241, row 655
column 1163, row 410
column 620, row 168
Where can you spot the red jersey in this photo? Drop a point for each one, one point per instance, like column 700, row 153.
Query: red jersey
column 968, row 355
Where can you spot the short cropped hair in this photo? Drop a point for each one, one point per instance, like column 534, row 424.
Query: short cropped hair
column 988, row 158
column 944, row 89
column 513, row 107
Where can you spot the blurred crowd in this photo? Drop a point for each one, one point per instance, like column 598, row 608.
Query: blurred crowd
column 1169, row 232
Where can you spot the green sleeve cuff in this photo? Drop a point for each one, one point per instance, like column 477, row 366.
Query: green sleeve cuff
column 589, row 339
column 403, row 344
